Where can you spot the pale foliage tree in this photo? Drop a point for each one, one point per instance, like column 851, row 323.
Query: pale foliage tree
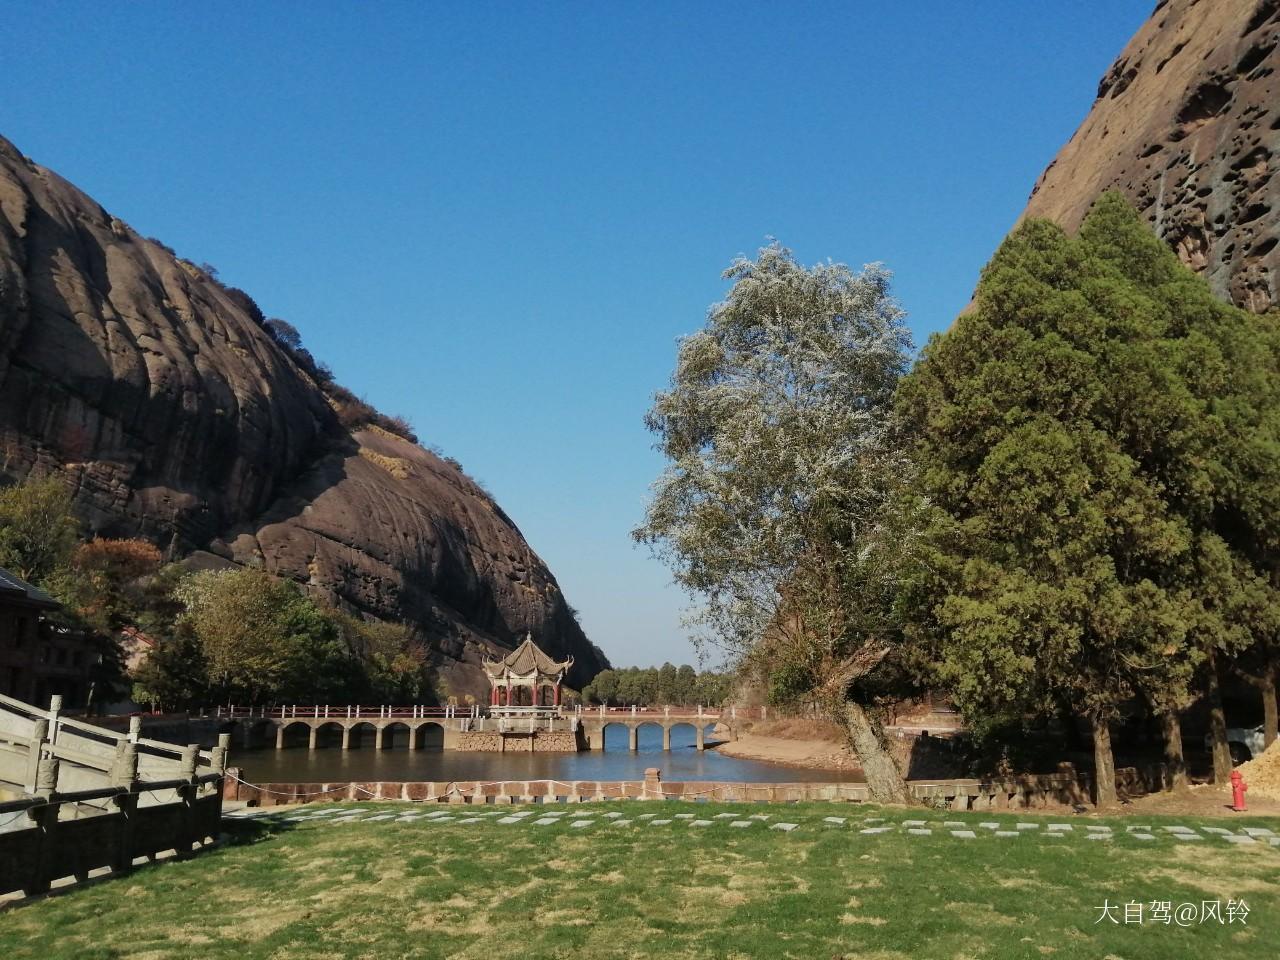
column 777, row 431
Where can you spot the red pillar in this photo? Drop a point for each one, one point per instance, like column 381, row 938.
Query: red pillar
column 556, row 688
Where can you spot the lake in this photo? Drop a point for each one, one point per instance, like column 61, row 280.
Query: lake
column 615, row 762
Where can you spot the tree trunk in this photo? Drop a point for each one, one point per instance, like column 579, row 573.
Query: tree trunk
column 883, row 779
column 1269, row 718
column 1104, row 764
column 1174, row 760
column 1217, row 722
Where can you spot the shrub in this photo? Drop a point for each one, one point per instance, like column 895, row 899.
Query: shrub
column 284, row 333
column 247, row 304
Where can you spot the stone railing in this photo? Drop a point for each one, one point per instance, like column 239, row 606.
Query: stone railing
column 91, row 798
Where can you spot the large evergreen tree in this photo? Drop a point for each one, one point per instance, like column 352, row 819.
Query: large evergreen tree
column 1098, row 485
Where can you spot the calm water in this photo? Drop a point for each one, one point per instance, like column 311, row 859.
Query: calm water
column 615, row 762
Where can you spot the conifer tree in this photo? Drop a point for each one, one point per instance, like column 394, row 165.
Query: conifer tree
column 1098, row 487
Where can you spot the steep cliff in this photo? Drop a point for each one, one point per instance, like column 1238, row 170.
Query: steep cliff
column 174, row 416
column 1187, row 124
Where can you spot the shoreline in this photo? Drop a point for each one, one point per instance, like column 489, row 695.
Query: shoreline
column 799, row 753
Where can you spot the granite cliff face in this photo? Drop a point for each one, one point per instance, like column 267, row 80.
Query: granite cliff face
column 1187, row 125
column 174, row 416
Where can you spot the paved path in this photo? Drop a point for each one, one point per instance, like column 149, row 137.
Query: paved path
column 644, row 816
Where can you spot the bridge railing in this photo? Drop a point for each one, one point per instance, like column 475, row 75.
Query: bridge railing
column 313, row 711
column 326, row 711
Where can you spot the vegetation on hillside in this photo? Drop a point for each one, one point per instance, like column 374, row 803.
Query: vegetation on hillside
column 353, row 412
column 236, row 635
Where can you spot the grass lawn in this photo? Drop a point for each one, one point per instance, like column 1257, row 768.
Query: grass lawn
column 314, row 889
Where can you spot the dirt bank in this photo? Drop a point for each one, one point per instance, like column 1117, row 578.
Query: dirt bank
column 814, row 744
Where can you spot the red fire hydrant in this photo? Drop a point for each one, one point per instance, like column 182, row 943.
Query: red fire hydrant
column 1238, row 787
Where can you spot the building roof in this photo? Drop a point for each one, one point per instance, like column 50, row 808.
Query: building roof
column 526, row 659
column 13, row 589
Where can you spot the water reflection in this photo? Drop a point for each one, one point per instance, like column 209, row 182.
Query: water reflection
column 616, row 762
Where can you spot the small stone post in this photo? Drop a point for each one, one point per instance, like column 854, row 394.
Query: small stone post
column 218, row 755
column 652, row 784
column 55, row 708
column 46, row 822
column 39, row 737
column 187, row 796
column 124, row 774
column 135, row 729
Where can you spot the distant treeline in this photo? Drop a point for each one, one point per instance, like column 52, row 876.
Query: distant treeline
column 656, row 686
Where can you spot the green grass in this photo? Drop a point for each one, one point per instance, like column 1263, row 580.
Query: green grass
column 493, row 891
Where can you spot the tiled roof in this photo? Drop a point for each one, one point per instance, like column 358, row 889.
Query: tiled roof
column 13, row 589
column 526, row 659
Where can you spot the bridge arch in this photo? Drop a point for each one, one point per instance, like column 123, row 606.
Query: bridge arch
column 361, row 735
column 679, row 733
column 615, row 735
column 292, row 735
column 649, row 736
column 329, row 735
column 430, row 735
column 719, row 731
column 397, row 735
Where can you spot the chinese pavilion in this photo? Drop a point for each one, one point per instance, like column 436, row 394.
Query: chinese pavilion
column 526, row 677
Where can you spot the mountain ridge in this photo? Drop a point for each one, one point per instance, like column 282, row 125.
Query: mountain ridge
column 173, row 415
column 1187, row 125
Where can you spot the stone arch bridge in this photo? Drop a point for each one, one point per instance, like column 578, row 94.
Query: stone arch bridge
column 460, row 728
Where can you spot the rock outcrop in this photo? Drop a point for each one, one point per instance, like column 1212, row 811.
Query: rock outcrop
column 174, row 416
column 1187, row 125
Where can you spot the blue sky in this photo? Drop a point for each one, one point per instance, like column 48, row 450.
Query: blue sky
column 496, row 219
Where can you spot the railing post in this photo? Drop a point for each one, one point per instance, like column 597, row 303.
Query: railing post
column 124, row 774
column 39, row 737
column 46, row 822
column 187, row 797
column 135, row 729
column 218, row 755
column 55, row 708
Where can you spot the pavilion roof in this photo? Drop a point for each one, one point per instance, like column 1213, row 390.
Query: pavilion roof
column 526, row 659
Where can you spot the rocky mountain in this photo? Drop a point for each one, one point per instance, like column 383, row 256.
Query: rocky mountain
column 175, row 416
column 1187, row 124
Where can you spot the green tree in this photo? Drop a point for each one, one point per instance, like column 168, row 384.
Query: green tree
column 38, row 530
column 175, row 674
column 604, row 687
column 666, row 688
column 686, row 684
column 263, row 639
column 777, row 432
column 106, row 582
column 1071, row 459
column 394, row 664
